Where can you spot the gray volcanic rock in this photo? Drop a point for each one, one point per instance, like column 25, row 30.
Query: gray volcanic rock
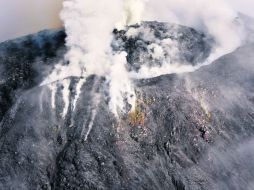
column 153, row 43
column 191, row 131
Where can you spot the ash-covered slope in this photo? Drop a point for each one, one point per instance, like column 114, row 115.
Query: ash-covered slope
column 189, row 131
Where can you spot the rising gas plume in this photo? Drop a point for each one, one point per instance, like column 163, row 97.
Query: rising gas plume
column 89, row 27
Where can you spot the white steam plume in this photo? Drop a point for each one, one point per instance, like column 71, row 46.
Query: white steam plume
column 132, row 13
column 120, row 85
column 215, row 17
column 89, row 25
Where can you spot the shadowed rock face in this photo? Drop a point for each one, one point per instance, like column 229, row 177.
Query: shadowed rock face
column 196, row 132
column 25, row 61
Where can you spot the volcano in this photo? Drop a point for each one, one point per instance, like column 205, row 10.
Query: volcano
column 190, row 130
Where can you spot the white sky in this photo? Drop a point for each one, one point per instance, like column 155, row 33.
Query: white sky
column 21, row 17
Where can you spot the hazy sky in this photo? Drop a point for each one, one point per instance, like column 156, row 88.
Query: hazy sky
column 21, row 17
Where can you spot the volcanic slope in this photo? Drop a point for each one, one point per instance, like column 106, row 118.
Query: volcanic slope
column 188, row 131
